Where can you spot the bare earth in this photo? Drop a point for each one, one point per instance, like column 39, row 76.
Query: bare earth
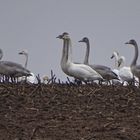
column 67, row 112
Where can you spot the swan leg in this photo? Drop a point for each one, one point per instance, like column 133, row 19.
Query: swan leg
column 7, row 78
column 132, row 82
column 100, row 82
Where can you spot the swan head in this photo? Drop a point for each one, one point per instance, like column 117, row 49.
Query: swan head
column 24, row 52
column 121, row 61
column 85, row 39
column 65, row 35
column 132, row 42
column 115, row 53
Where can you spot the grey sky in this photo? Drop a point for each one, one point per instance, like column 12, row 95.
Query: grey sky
column 34, row 25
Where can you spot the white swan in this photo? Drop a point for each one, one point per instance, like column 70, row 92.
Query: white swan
column 115, row 55
column 78, row 71
column 134, row 67
column 124, row 72
column 104, row 71
column 32, row 78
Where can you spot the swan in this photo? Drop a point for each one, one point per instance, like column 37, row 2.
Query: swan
column 134, row 67
column 32, row 77
column 115, row 55
column 11, row 69
column 79, row 71
column 104, row 71
column 124, row 71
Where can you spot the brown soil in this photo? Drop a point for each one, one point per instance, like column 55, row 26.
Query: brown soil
column 68, row 112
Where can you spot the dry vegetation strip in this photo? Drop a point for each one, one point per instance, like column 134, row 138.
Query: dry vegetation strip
column 68, row 112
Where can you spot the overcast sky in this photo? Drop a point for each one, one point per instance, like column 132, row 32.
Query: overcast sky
column 34, row 25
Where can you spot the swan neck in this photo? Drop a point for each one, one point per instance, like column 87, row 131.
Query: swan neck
column 26, row 60
column 69, row 50
column 122, row 64
column 64, row 52
column 135, row 55
column 86, row 60
column 66, row 58
column 1, row 54
column 116, row 60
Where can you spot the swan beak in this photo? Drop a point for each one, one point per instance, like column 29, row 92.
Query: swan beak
column 112, row 57
column 60, row 37
column 80, row 41
column 126, row 42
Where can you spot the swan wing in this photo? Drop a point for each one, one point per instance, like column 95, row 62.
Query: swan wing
column 126, row 74
column 136, row 70
column 10, row 64
column 100, row 67
column 11, row 68
column 83, row 72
